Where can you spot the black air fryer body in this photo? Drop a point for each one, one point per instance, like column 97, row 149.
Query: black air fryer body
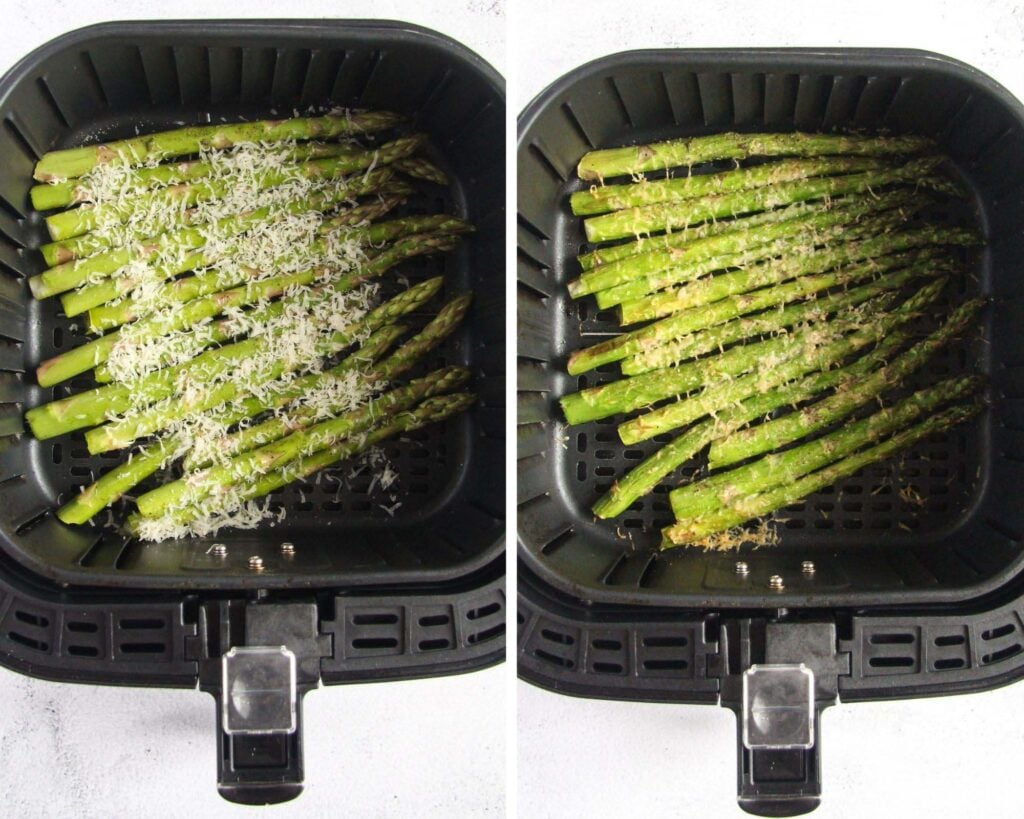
column 351, row 593
column 866, row 595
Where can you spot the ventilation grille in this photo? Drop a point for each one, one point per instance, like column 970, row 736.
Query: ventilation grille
column 640, row 656
column 425, row 630
column 144, row 637
column 935, row 649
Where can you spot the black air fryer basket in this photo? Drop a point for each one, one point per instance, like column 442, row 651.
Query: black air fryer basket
column 343, row 591
column 866, row 596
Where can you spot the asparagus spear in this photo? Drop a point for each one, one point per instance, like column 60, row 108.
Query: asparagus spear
column 800, row 245
column 674, row 215
column 419, row 168
column 92, row 407
column 638, row 391
column 194, row 312
column 396, row 364
column 110, row 315
column 771, row 321
column 122, row 432
column 385, row 198
column 646, row 475
column 629, row 394
column 630, row 161
column 199, row 485
column 707, row 496
column 763, row 503
column 778, row 432
column 72, row 274
column 93, row 353
column 52, row 195
column 144, row 463
column 619, row 197
column 111, row 486
column 170, row 203
column 638, row 266
column 712, row 289
column 404, row 249
column 648, row 244
column 74, row 162
column 433, row 410
column 814, row 357
column 638, row 343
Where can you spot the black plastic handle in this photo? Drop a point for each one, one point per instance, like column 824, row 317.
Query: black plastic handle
column 260, row 769
column 779, row 782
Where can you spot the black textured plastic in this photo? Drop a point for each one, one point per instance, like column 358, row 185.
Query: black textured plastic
column 114, row 80
column 937, row 523
column 605, row 651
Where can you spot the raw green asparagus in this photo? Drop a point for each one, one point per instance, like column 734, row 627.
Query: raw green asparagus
column 197, row 486
column 73, row 162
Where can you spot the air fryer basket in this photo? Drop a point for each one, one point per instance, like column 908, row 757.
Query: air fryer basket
column 119, row 79
column 901, row 602
column 868, row 544
column 362, row 596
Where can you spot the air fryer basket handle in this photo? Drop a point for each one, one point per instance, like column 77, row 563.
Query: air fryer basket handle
column 259, row 769
column 779, row 782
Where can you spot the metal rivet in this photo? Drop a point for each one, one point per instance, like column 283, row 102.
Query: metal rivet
column 287, row 548
column 775, row 582
column 807, row 567
column 219, row 550
column 742, row 568
column 256, row 563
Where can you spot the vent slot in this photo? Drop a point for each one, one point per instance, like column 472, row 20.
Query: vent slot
column 548, row 657
column 891, row 662
column 143, row 648
column 1002, row 654
column 486, row 634
column 28, row 642
column 557, row 637
column 891, row 639
column 374, row 619
column 996, row 633
column 434, row 645
column 142, row 624
column 31, row 619
column 483, row 611
column 374, row 642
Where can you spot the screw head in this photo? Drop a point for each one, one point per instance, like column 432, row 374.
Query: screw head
column 742, row 568
column 256, row 563
column 807, row 567
column 287, row 548
column 776, row 583
column 219, row 550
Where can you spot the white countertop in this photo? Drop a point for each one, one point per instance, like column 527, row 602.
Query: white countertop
column 953, row 756
column 423, row 748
